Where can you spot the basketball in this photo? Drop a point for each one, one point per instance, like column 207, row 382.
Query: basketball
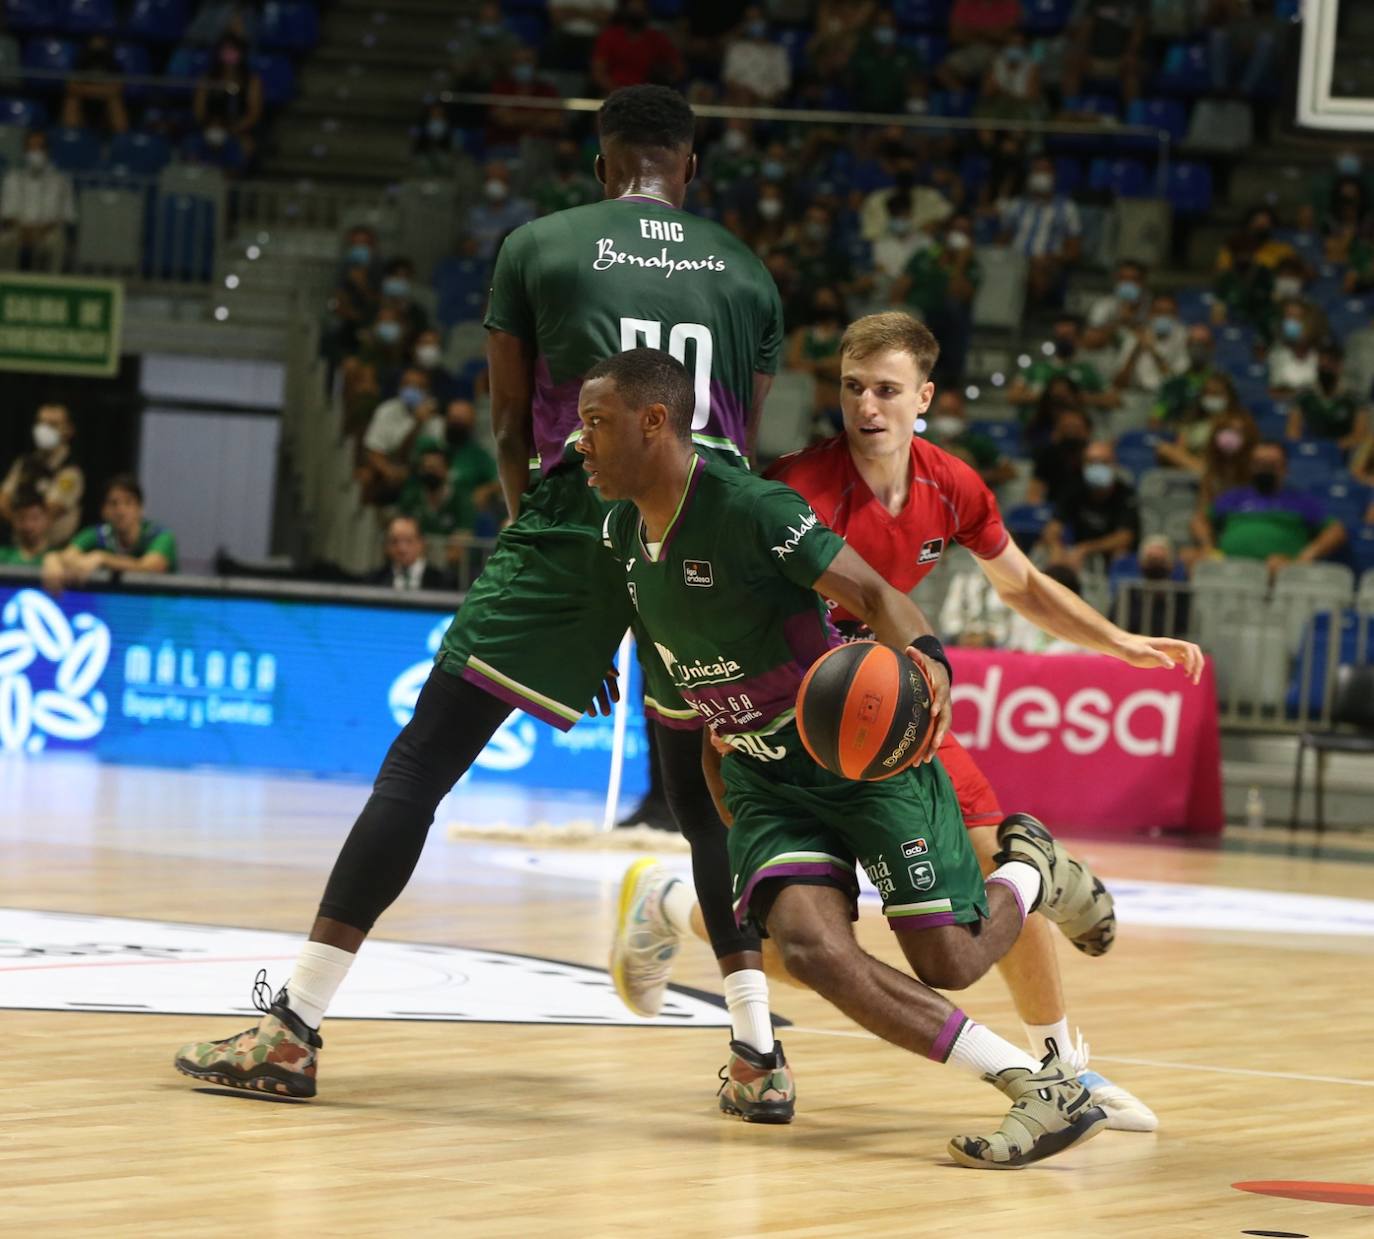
column 865, row 711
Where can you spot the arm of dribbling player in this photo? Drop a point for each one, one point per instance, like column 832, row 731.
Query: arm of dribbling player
column 710, row 767
column 510, row 364
column 1063, row 614
column 763, row 384
column 894, row 618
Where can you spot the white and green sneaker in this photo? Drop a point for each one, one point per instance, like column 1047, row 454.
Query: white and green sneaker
column 645, row 945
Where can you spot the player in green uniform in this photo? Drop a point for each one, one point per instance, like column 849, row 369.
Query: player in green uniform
column 541, row 625
column 729, row 574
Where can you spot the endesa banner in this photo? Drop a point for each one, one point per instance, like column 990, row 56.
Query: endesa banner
column 290, row 684
column 1082, row 740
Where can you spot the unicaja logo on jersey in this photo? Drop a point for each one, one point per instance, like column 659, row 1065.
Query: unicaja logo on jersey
column 806, row 522
column 698, row 672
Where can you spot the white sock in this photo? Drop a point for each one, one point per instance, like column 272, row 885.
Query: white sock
column 1024, row 880
column 746, row 997
column 1045, row 1038
column 678, row 901
column 319, row 972
column 978, row 1050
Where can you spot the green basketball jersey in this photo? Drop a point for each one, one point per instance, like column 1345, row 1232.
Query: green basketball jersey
column 727, row 600
column 634, row 272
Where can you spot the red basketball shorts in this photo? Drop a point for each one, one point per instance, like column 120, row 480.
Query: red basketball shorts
column 977, row 800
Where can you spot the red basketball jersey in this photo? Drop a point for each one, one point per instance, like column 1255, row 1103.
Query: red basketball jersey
column 947, row 502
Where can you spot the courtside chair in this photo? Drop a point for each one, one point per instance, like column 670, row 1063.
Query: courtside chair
column 1353, row 705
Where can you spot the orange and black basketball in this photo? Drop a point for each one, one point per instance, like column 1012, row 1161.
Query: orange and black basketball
column 864, row 711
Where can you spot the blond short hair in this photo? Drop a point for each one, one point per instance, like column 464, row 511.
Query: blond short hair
column 892, row 331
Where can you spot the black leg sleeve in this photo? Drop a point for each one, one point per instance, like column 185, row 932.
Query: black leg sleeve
column 452, row 723
column 689, row 799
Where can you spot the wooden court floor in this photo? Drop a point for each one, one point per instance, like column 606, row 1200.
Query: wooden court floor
column 1252, row 1044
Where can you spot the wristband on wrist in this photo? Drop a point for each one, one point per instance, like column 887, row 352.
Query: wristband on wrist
column 930, row 646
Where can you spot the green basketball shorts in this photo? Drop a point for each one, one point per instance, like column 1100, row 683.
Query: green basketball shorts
column 794, row 819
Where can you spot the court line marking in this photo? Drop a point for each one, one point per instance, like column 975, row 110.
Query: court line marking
column 1137, row 1062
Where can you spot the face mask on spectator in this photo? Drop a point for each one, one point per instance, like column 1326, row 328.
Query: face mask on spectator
column 943, row 426
column 772, row 170
column 884, row 36
column 45, row 437
column 1266, row 481
column 1162, row 324
column 917, row 105
column 37, row 160
column 522, row 73
column 396, row 286
column 1098, row 475
column 1329, row 377
column 412, row 397
column 957, row 240
column 216, row 135
column 1040, row 182
column 388, row 332
column 1229, row 440
column 1215, row 403
column 1128, row 291
column 427, row 355
column 899, row 225
column 1287, row 286
column 496, row 190
column 1348, row 164
column 436, row 127
column 1199, row 354
column 360, row 255
column 1292, row 329
column 433, row 481
column 1064, row 347
column 1155, row 570
column 770, row 208
column 735, row 140
column 458, row 433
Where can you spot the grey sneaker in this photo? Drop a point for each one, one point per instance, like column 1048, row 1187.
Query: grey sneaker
column 1071, row 895
column 1051, row 1111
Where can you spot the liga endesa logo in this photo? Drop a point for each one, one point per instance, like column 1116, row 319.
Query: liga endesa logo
column 1032, row 717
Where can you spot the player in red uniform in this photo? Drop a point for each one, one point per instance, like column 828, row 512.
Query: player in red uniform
column 900, row 502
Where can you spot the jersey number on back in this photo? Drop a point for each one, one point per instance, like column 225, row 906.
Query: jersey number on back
column 644, row 333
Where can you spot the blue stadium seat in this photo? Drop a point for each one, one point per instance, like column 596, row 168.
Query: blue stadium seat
column 278, row 77
column 1186, row 70
column 931, row 48
column 1190, row 188
column 1068, row 175
column 1362, row 548
column 1356, row 645
column 1194, row 304
column 88, row 16
column 1135, row 450
column 794, row 42
column 1349, row 314
column 1311, row 474
column 952, row 103
column 1122, row 178
column 133, row 59
column 461, row 285
column 180, row 238
column 294, row 26
column 1235, row 349
column 1007, row 435
column 974, row 169
column 156, row 21
column 1324, row 450
column 1347, row 501
column 28, row 16
column 529, row 28
column 56, row 55
column 667, row 10
column 142, row 154
column 1087, row 106
column 74, row 150
column 1045, row 17
column 189, row 62
column 27, row 113
column 1167, row 114
column 922, row 14
column 1026, row 520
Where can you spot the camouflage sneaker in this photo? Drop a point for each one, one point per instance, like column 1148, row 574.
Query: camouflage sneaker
column 645, row 945
column 1051, row 1111
column 1071, row 895
column 759, row 1088
column 280, row 1055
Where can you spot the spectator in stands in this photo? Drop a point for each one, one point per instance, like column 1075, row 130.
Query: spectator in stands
column 1234, row 30
column 978, row 30
column 734, row 159
column 361, row 394
column 96, row 105
column 569, row 184
column 1154, row 609
column 428, row 355
column 1061, row 392
column 432, row 146
column 930, row 207
column 756, row 71
column 485, row 51
column 1231, row 441
column 574, row 25
column 1178, row 396
column 1347, row 210
column 1098, row 511
column 880, row 69
column 216, row 18
column 1011, row 86
column 471, row 466
column 629, row 51
column 32, row 531
column 429, row 496
column 391, row 435
column 1359, row 275
column 398, row 294
column 1045, row 227
column 500, row 211
column 406, row 568
column 817, row 261
column 506, row 126
column 1293, row 360
column 1154, row 351
column 1124, row 306
column 1267, row 521
column 840, row 24
column 1269, row 248
column 36, row 206
column 1063, row 358
column 385, row 346
column 939, row 286
column 124, row 541
column 1023, row 637
column 1214, row 406
column 814, row 349
column 950, row 430
column 1106, row 43
column 972, row 615
column 50, row 472
column 895, row 248
column 228, row 105
column 1058, row 463
column 1244, row 288
column 1330, row 409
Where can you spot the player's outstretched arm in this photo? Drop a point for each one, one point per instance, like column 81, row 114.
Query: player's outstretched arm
column 893, row 617
column 510, row 366
column 1063, row 614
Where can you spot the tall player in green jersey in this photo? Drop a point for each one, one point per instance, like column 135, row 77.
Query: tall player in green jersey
column 729, row 574
column 541, row 625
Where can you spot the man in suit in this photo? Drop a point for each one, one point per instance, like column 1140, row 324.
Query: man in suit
column 406, row 568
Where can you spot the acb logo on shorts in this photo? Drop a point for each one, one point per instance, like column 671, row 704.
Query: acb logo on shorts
column 914, row 847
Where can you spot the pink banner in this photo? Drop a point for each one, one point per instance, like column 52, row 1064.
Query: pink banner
column 1084, row 741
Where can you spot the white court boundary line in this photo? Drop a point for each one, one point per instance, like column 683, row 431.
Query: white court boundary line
column 1133, row 1062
